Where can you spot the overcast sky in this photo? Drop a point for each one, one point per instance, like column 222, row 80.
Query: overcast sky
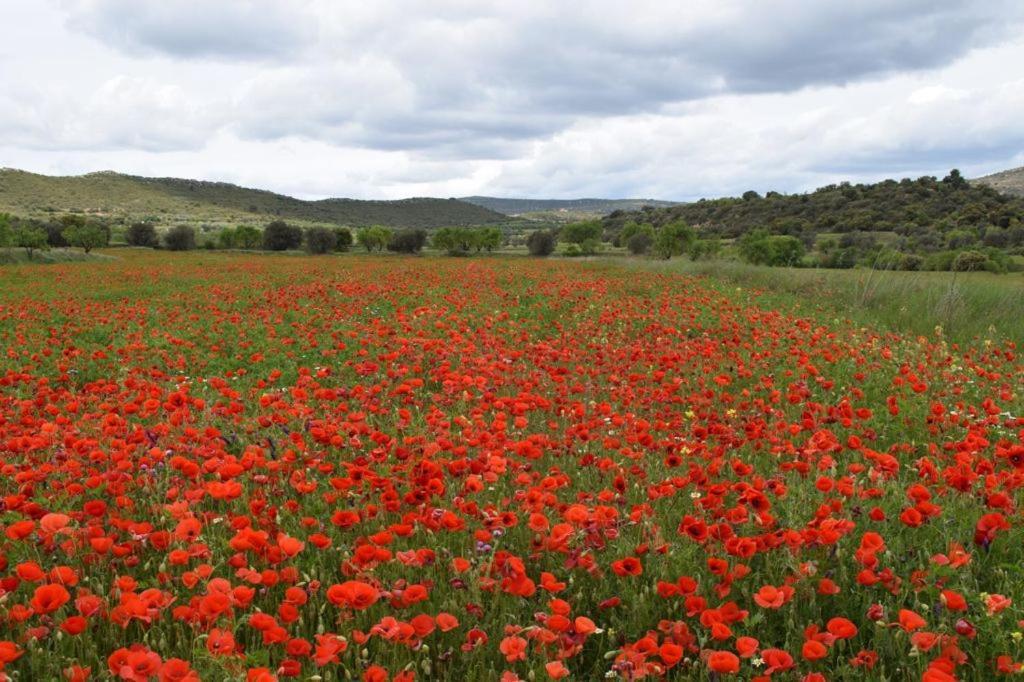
column 389, row 99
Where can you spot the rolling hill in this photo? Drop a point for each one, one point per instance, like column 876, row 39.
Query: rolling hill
column 1008, row 181
column 596, row 207
column 125, row 198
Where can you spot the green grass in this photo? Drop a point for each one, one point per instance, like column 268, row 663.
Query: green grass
column 13, row 256
column 966, row 306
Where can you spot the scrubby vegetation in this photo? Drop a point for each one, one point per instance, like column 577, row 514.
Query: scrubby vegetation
column 461, row 241
column 320, row 240
column 926, row 224
column 124, row 199
column 180, row 238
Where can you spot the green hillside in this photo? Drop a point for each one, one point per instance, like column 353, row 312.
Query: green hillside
column 576, row 207
column 925, row 223
column 125, row 198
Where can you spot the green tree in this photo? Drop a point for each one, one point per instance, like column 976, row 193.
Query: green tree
column 705, row 248
column 586, row 235
column 280, row 236
column 540, row 243
column 490, row 238
column 455, row 241
column 639, row 243
column 180, row 238
column 320, row 240
column 673, row 239
column 373, row 238
column 5, row 230
column 86, row 235
column 955, row 180
column 343, row 239
column 411, row 240
column 30, row 238
column 786, row 251
column 227, row 238
column 755, row 248
column 142, row 234
column 633, row 228
column 247, row 237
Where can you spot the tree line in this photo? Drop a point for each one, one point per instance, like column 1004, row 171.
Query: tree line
column 922, row 224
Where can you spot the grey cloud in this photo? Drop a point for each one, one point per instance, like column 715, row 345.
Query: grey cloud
column 460, row 75
column 231, row 29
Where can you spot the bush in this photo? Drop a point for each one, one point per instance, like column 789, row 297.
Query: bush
column 280, row 236
column 489, row 238
column 247, row 237
column 969, row 261
column 342, row 239
column 541, row 243
column 639, row 243
column 408, row 241
column 673, row 239
column 86, row 235
column 55, row 235
column 373, row 238
column 705, row 248
column 142, row 234
column 30, row 238
column 760, row 248
column 940, row 261
column 455, row 241
column 180, row 238
column 586, row 235
column 320, row 240
column 630, row 230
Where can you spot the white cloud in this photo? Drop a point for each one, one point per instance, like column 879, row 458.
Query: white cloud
column 394, row 98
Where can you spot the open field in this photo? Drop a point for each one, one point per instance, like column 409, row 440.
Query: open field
column 963, row 307
column 227, row 466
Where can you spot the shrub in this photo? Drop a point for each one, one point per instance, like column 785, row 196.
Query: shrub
column 968, row 261
column 940, row 261
column 373, row 238
column 586, row 235
column 673, row 239
column 630, row 230
column 541, row 243
column 142, row 234
column 760, row 248
column 455, row 241
column 247, row 237
column 639, row 243
column 342, row 239
column 320, row 240
column 280, row 236
column 55, row 234
column 705, row 248
column 180, row 238
column 408, row 241
column 31, row 238
column 86, row 235
column 489, row 238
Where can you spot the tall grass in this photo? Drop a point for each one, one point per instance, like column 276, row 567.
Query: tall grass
column 963, row 307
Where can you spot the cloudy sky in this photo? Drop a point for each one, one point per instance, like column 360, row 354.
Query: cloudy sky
column 391, row 98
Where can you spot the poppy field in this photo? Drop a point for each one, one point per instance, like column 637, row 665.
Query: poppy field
column 228, row 467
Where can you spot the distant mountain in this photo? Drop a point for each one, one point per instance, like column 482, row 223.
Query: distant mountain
column 579, row 206
column 126, row 198
column 1007, row 181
